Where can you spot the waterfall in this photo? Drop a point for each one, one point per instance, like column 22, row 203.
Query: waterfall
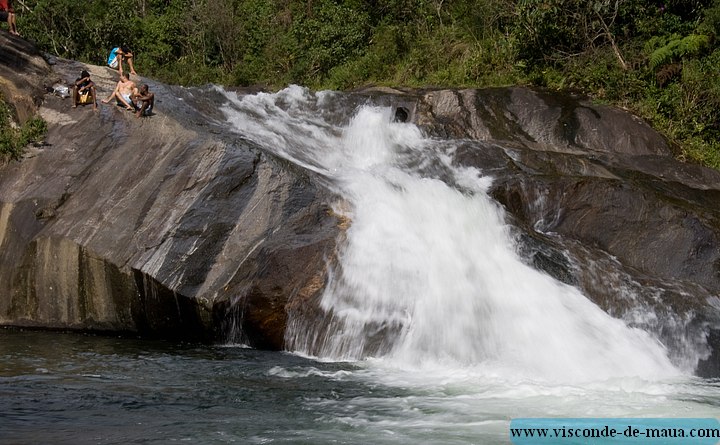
column 429, row 275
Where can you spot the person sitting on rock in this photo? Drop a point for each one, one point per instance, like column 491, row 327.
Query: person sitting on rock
column 123, row 92
column 148, row 101
column 117, row 56
column 84, row 91
column 7, row 14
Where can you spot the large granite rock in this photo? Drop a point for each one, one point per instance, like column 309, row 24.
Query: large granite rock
column 599, row 202
column 160, row 226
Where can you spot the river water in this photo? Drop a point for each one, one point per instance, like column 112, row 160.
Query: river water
column 436, row 331
column 58, row 388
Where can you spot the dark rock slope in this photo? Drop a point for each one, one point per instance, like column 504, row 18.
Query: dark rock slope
column 599, row 202
column 157, row 226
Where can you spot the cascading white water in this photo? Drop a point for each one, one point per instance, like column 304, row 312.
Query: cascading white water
column 431, row 263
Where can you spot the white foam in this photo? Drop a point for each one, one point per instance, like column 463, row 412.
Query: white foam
column 431, row 261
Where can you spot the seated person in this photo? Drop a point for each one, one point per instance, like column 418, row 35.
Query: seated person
column 117, row 56
column 123, row 92
column 148, row 101
column 7, row 14
column 84, row 91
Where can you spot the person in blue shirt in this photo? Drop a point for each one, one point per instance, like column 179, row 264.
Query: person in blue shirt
column 117, row 56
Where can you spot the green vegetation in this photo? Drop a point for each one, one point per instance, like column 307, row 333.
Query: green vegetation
column 14, row 138
column 659, row 59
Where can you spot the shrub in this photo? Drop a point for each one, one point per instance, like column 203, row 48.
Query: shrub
column 14, row 138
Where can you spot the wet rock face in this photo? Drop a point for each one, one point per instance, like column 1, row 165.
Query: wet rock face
column 598, row 202
column 164, row 226
column 548, row 121
column 23, row 73
column 593, row 174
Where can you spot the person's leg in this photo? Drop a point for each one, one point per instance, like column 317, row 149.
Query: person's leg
column 145, row 106
column 125, row 101
column 76, row 96
column 115, row 94
column 129, row 57
column 94, row 97
column 151, row 105
column 11, row 24
column 109, row 98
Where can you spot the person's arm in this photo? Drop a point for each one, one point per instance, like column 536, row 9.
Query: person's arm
column 145, row 97
column 87, row 85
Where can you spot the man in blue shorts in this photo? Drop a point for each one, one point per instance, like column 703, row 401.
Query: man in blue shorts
column 117, row 56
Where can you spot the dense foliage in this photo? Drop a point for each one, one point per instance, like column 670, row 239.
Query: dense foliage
column 659, row 59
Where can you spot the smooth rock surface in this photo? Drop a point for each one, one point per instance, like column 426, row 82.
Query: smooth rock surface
column 160, row 226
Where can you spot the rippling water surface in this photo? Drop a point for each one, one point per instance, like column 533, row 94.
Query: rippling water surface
column 68, row 388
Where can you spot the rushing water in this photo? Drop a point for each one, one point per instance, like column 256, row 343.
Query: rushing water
column 436, row 331
column 429, row 276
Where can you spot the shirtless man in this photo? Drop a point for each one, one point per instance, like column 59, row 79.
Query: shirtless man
column 123, row 92
column 148, row 101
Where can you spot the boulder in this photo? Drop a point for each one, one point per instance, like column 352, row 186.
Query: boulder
column 162, row 226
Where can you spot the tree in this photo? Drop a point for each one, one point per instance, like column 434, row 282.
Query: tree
column 553, row 30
